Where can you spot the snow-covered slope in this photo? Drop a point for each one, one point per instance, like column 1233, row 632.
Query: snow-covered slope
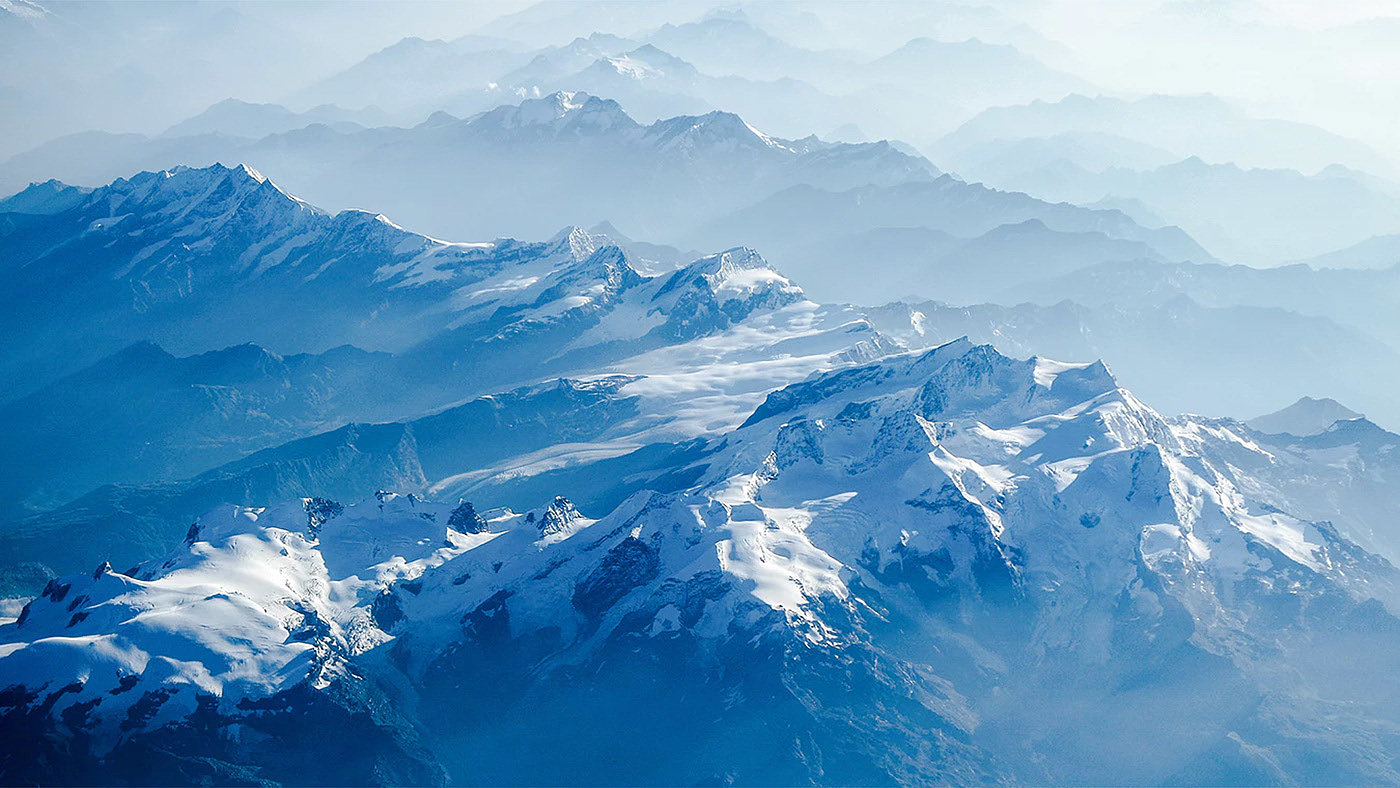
column 945, row 566
column 676, row 355
column 1352, row 468
column 670, row 358
column 653, row 84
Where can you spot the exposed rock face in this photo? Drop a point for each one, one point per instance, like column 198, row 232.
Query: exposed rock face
column 629, row 565
column 558, row 517
column 465, row 519
column 318, row 511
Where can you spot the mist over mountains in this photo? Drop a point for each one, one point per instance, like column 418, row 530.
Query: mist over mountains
column 692, row 392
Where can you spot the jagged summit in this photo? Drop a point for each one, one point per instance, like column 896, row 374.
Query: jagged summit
column 173, row 244
column 580, row 242
column 182, row 192
column 196, row 215
column 739, row 280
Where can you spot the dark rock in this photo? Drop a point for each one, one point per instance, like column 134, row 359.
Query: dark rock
column 558, row 516
column 629, row 565
column 319, row 511
column 464, row 519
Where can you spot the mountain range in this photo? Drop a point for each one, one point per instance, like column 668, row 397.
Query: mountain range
column 942, row 238
column 1203, row 125
column 724, row 58
column 697, row 392
column 974, row 546
column 1362, row 299
column 695, row 348
column 564, row 158
column 1255, row 216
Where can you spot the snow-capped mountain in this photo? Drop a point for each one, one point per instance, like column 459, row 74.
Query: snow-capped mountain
column 817, row 483
column 699, row 345
column 667, row 358
column 726, row 58
column 654, row 84
column 666, row 178
column 555, row 63
column 1351, row 466
column 157, row 256
column 894, row 572
column 129, row 523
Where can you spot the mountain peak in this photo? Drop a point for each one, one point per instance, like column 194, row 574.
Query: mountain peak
column 1307, row 416
column 957, row 378
column 739, row 271
column 438, row 119
column 579, row 242
column 182, row 193
column 714, row 130
column 215, row 171
column 660, row 59
column 559, row 111
column 49, row 197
